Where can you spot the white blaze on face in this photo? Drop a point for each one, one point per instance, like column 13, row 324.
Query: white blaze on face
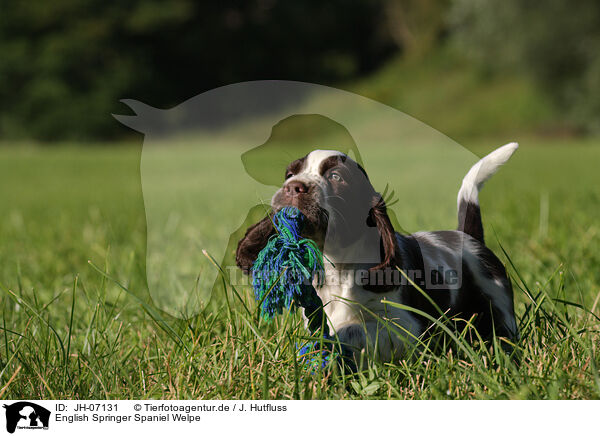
column 366, row 247
column 315, row 158
column 311, row 176
column 310, row 172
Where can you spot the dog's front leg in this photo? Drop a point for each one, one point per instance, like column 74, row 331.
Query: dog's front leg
column 371, row 340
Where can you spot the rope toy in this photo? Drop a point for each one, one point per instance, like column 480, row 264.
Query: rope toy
column 283, row 271
column 282, row 277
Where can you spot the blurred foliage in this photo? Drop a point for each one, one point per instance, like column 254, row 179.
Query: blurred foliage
column 416, row 25
column 66, row 63
column 447, row 92
column 557, row 42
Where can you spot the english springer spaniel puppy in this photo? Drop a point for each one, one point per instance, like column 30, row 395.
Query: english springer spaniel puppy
column 363, row 257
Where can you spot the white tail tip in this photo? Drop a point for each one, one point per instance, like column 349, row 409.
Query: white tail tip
column 483, row 170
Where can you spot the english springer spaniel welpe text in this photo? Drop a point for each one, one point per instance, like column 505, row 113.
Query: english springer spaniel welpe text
column 364, row 255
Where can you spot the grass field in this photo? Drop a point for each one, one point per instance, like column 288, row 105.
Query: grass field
column 69, row 331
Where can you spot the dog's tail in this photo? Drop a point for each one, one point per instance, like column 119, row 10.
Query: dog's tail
column 469, row 215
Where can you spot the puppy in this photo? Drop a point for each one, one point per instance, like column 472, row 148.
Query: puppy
column 364, row 255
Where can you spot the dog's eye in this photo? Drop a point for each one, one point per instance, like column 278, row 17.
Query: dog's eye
column 288, row 175
column 335, row 177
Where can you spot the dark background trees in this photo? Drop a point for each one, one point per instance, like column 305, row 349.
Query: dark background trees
column 65, row 64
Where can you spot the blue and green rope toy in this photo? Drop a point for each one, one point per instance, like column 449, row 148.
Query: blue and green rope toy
column 283, row 273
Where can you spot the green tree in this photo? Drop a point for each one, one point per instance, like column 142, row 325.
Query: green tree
column 65, row 64
column 556, row 41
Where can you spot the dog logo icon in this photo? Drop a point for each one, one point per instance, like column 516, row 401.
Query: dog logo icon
column 26, row 415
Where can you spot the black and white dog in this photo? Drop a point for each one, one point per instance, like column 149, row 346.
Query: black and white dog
column 363, row 255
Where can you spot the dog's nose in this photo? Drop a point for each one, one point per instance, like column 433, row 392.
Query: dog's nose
column 294, row 188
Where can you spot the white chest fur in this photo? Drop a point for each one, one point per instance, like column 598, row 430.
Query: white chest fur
column 351, row 308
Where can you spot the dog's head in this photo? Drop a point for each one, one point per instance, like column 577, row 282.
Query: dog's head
column 346, row 217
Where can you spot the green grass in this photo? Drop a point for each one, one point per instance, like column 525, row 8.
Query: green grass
column 68, row 330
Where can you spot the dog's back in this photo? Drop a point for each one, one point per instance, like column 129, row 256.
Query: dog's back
column 460, row 274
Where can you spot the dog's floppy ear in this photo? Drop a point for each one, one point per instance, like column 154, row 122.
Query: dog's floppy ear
column 390, row 251
column 255, row 240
